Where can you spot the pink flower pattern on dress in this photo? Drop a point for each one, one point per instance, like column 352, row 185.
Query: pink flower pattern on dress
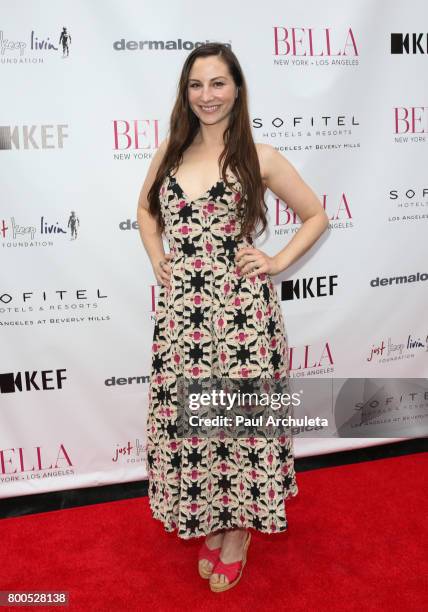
column 214, row 322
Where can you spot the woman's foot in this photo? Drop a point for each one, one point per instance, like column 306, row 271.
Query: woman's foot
column 232, row 551
column 213, row 541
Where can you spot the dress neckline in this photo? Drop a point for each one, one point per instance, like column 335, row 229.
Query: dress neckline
column 186, row 197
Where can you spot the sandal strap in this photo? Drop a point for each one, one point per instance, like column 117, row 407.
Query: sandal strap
column 230, row 570
column 209, row 554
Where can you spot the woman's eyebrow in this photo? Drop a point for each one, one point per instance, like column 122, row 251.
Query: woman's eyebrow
column 213, row 79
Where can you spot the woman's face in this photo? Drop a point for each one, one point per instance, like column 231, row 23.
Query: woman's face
column 211, row 89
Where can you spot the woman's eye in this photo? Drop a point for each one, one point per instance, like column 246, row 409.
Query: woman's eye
column 193, row 85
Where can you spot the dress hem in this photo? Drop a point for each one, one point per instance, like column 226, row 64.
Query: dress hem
column 202, row 532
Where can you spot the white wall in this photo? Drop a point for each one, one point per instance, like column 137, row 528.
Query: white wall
column 102, row 327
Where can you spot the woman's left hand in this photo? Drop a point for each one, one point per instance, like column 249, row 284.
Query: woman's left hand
column 252, row 261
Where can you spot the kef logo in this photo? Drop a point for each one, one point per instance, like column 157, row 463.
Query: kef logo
column 45, row 380
column 303, row 288
column 402, row 43
column 313, row 42
column 33, row 136
column 137, row 135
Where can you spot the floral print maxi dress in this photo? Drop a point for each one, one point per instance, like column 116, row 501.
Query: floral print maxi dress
column 213, row 321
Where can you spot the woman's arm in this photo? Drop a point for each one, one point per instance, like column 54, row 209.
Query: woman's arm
column 280, row 176
column 282, row 179
column 147, row 224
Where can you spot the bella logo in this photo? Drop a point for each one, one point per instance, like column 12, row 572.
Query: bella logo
column 15, row 460
column 313, row 42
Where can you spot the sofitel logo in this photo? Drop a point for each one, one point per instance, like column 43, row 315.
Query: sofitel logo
column 413, row 201
column 308, row 127
column 409, row 194
column 303, row 288
column 136, row 135
column 32, row 136
column 47, row 296
column 402, row 43
column 313, row 43
column 34, row 380
column 305, row 123
column 52, row 307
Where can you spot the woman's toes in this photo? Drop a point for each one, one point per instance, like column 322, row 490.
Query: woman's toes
column 206, row 565
column 218, row 579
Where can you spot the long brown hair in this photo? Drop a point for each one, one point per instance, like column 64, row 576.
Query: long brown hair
column 239, row 153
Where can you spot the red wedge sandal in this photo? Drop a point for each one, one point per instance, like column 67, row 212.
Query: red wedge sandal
column 232, row 571
column 207, row 554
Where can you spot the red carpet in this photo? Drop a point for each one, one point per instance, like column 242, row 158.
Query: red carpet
column 357, row 540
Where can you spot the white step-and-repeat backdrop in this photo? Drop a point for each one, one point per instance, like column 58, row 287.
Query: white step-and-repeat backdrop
column 86, row 93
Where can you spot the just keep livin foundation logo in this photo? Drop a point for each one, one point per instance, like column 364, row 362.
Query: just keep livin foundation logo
column 18, row 232
column 129, row 453
column 34, row 47
column 393, row 350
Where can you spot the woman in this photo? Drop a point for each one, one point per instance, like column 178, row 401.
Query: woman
column 218, row 312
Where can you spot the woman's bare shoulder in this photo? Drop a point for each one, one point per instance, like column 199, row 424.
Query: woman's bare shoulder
column 151, row 173
column 264, row 151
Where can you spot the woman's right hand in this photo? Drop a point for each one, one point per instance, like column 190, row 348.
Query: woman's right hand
column 163, row 273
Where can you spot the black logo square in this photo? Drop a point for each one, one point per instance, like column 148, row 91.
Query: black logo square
column 7, row 384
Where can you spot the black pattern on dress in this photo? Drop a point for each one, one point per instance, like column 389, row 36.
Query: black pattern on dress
column 214, row 322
